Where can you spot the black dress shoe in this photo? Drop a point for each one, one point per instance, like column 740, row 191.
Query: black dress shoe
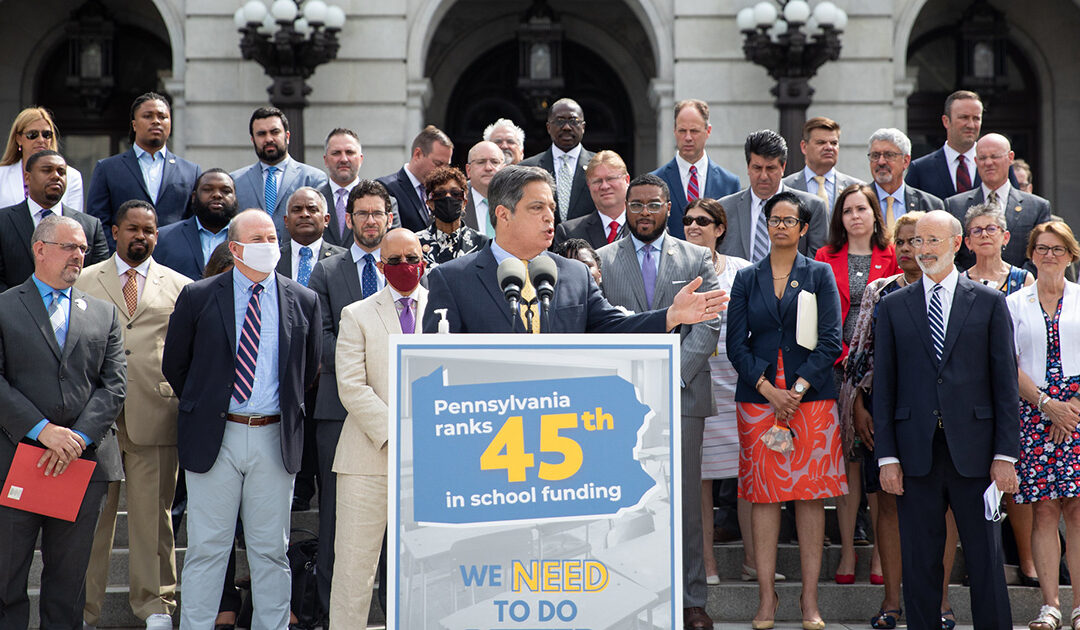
column 696, row 618
column 1028, row 581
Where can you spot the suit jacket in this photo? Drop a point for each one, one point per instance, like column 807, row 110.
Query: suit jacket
column 589, row 227
column 1023, row 211
column 798, row 182
column 920, row 201
column 581, row 202
column 118, row 178
column 467, row 287
column 972, row 392
column 882, row 265
column 149, row 412
column 470, row 210
column 680, row 262
column 326, row 250
column 719, row 182
column 414, row 216
column 737, row 207
column 200, row 355
column 179, row 248
column 759, row 326
column 363, row 354
column 12, row 192
column 80, row 387
column 332, row 234
column 16, row 255
column 251, row 188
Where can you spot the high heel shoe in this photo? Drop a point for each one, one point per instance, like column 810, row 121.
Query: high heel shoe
column 812, row 624
column 767, row 624
column 877, row 579
column 846, row 578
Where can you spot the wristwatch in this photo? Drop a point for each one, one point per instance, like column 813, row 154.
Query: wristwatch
column 800, row 389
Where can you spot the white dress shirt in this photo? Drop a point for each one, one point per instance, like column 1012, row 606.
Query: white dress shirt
column 483, row 222
column 619, row 221
column 684, row 172
column 969, row 163
column 557, row 160
column 36, row 209
column 1002, row 194
column 315, row 247
column 141, row 270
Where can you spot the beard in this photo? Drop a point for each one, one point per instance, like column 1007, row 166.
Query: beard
column 935, row 267
column 138, row 251
column 213, row 219
column 271, row 152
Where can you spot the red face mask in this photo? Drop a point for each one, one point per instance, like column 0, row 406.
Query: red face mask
column 404, row 276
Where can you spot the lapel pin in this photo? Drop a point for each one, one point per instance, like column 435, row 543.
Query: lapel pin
column 1018, row 208
column 877, row 266
column 1031, row 299
column 172, row 160
column 671, row 252
column 794, row 283
column 81, row 303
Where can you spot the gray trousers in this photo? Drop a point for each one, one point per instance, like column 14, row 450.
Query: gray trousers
column 695, row 590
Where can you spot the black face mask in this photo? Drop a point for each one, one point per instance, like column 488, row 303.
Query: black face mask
column 446, row 209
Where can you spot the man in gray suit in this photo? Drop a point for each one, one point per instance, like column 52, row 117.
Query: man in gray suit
column 343, row 157
column 748, row 236
column 268, row 183
column 62, row 383
column 890, row 154
column 821, row 149
column 1023, row 211
column 644, row 272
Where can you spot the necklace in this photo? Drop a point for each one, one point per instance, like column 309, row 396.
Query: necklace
column 784, row 277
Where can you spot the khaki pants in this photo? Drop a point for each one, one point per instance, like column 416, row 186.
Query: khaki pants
column 361, row 521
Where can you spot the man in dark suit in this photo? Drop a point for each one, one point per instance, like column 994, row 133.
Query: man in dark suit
column 343, row 157
column 565, row 159
column 46, row 181
column 890, row 155
column 147, row 171
column 241, row 349
column 62, row 382
column 431, row 148
column 645, row 272
column 820, row 146
column 608, row 179
column 1023, row 211
column 276, row 175
column 186, row 246
column 691, row 174
column 340, row 281
column 946, row 423
column 485, row 159
column 467, row 287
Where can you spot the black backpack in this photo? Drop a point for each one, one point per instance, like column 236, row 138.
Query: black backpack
column 302, row 555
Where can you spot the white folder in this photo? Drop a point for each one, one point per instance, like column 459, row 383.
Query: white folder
column 806, row 320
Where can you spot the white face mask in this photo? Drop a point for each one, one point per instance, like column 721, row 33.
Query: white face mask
column 262, row 257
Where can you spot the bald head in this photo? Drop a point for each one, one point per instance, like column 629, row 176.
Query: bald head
column 243, row 224
column 485, row 159
column 398, row 240
column 993, row 157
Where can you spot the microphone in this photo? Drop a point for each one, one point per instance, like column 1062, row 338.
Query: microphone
column 511, row 277
column 543, row 274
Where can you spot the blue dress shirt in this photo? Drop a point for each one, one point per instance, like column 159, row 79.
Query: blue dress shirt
column 264, row 399
column 152, row 166
column 209, row 241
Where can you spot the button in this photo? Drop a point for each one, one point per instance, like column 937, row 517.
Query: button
column 221, row 415
column 129, row 326
column 127, row 351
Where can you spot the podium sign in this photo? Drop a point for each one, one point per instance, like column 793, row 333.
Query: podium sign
column 534, row 482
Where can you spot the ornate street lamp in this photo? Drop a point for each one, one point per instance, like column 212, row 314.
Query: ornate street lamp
column 791, row 45
column 540, row 78
column 90, row 57
column 306, row 37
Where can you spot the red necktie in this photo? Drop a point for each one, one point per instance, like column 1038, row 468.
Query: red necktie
column 692, row 192
column 613, row 231
column 963, row 180
column 247, row 351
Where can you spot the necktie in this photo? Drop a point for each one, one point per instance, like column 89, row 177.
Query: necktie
column 613, row 231
column 992, row 199
column 247, row 352
column 528, row 294
column 339, row 209
column 270, row 191
column 484, row 219
column 761, row 240
column 889, row 218
column 963, row 180
column 423, row 203
column 368, row 284
column 563, row 185
column 648, row 274
column 821, row 192
column 406, row 317
column 303, row 270
column 131, row 291
column 937, row 322
column 44, row 213
column 692, row 190
column 58, row 318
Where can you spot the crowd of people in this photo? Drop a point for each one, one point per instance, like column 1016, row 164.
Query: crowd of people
column 220, row 341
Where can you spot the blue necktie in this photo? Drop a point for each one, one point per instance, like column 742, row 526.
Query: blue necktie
column 303, row 270
column 937, row 322
column 247, row 353
column 58, row 318
column 648, row 274
column 271, row 189
column 368, row 284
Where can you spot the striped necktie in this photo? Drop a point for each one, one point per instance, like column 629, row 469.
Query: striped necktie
column 937, row 322
column 58, row 318
column 270, row 191
column 247, row 352
column 692, row 191
column 761, row 240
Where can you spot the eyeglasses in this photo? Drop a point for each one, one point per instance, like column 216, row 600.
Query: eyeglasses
column 362, row 216
column 653, row 207
column 573, row 122
column 931, row 242
column 34, row 133
column 454, row 193
column 701, row 221
column 396, row 260
column 787, row 221
column 610, row 180
column 1057, row 250
column 990, row 230
column 69, row 248
column 489, row 161
column 890, row 156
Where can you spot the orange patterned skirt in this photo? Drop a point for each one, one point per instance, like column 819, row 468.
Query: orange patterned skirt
column 813, row 470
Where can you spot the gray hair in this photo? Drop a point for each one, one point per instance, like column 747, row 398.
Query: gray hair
column 508, row 186
column 46, row 230
column 519, row 133
column 319, row 199
column 985, row 210
column 893, row 135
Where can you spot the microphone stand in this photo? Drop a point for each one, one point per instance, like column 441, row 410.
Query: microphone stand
column 529, row 314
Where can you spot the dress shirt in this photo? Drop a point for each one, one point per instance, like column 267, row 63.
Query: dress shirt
column 557, row 157
column 483, row 222
column 152, row 166
column 398, row 306
column 620, row 221
column 657, row 246
column 315, row 247
column 757, row 206
column 1002, row 194
column 347, row 188
column 899, row 207
column 209, row 241
column 36, row 209
column 46, row 297
column 830, row 184
column 278, row 174
column 969, row 163
column 140, row 272
column 264, row 399
column 358, row 258
column 416, row 183
column 684, row 172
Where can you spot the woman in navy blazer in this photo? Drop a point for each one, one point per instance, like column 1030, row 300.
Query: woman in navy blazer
column 784, row 386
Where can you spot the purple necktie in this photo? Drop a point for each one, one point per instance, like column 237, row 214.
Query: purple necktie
column 648, row 274
column 339, row 208
column 407, row 319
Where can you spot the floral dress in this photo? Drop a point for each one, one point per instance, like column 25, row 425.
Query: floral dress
column 1048, row 470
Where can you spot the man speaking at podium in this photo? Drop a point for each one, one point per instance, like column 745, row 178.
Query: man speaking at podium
column 522, row 211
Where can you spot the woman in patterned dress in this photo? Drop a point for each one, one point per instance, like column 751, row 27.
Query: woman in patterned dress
column 786, row 400
column 447, row 237
column 1046, row 324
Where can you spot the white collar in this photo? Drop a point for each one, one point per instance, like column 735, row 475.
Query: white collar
column 684, row 166
column 1002, row 192
column 348, row 188
column 315, row 247
column 142, row 268
column 557, row 153
column 358, row 254
column 951, row 153
column 948, row 283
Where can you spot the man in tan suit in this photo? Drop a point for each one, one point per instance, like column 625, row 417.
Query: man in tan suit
column 360, row 461
column 144, row 293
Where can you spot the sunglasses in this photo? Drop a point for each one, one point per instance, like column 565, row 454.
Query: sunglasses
column 34, row 133
column 453, row 194
column 701, row 221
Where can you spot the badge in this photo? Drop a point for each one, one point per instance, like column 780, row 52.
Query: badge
column 1018, row 208
column 172, row 160
column 81, row 303
column 794, row 284
column 671, row 252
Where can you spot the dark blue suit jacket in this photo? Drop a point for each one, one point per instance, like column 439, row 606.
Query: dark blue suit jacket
column 759, row 326
column 973, row 391
column 719, row 182
column 179, row 249
column 467, row 287
column 414, row 215
column 118, row 179
column 930, row 173
column 199, row 359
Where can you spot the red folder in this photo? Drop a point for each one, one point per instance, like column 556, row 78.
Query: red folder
column 27, row 488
